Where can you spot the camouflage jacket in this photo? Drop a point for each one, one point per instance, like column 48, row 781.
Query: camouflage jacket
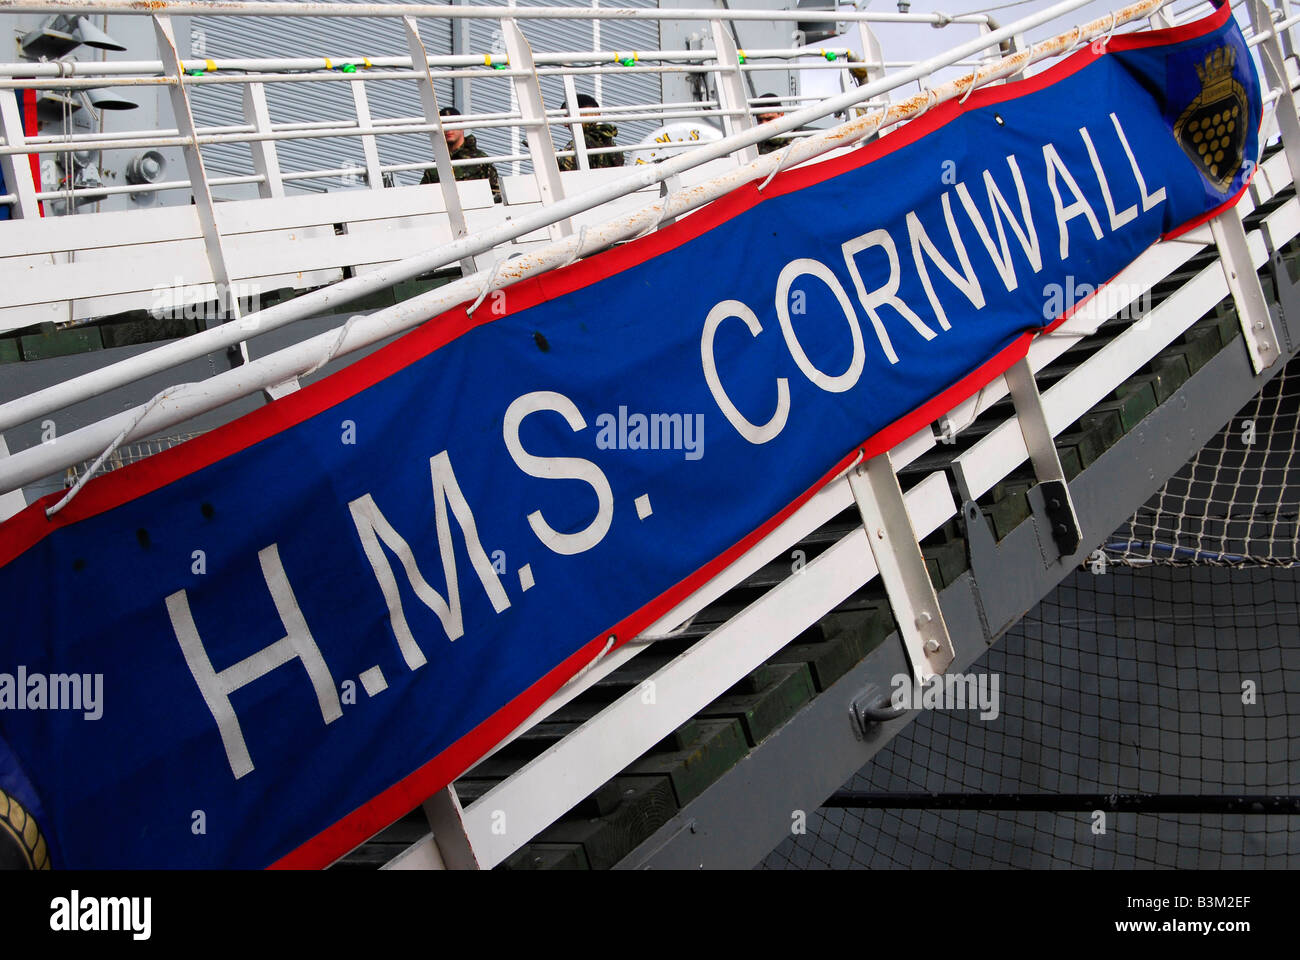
column 596, row 135
column 772, row 144
column 469, row 150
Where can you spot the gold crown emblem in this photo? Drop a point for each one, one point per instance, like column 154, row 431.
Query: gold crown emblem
column 1216, row 72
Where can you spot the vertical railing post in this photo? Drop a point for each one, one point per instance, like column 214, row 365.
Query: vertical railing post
column 437, row 139
column 575, row 123
column 266, row 159
column 374, row 176
column 1284, row 10
column 13, row 501
column 461, row 89
column 199, row 186
column 1277, row 77
column 731, row 89
column 17, row 166
column 532, row 112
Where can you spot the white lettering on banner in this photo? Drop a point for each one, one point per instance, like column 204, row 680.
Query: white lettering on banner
column 559, row 468
column 1027, row 235
column 884, row 295
column 1064, row 214
column 965, row 280
column 217, row 687
column 379, row 538
column 751, row 432
column 373, row 528
column 1148, row 200
column 1117, row 220
column 815, row 268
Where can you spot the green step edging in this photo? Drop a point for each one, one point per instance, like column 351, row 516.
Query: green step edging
column 789, row 687
column 645, row 804
column 719, row 746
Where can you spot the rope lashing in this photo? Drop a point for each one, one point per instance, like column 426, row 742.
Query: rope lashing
column 112, row 447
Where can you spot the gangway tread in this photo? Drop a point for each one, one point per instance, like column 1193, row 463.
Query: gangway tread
column 667, row 808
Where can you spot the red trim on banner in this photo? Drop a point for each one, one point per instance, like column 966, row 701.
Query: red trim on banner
column 111, row 490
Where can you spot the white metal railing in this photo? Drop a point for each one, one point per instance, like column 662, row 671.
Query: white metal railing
column 186, row 401
column 192, row 72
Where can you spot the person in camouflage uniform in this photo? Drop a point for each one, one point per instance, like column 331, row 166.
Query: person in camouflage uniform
column 770, row 103
column 595, row 135
column 462, row 147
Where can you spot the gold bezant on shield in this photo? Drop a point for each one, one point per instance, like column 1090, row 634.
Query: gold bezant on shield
column 1212, row 130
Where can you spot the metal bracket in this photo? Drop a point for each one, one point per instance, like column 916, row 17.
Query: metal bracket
column 902, row 568
column 1032, row 419
column 871, row 706
column 437, row 140
column 1247, row 293
column 12, row 502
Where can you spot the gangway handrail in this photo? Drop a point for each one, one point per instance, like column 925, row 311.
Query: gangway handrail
column 262, row 8
column 181, row 404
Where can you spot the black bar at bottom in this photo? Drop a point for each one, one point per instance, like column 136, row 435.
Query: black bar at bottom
column 1130, row 802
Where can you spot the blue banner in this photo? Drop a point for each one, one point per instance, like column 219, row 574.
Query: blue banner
column 259, row 647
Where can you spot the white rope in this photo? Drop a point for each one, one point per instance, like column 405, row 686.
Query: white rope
column 677, row 631
column 780, row 164
column 108, row 452
column 658, row 222
column 595, row 660
column 577, row 247
column 969, row 90
column 1101, row 45
column 487, row 286
column 333, row 348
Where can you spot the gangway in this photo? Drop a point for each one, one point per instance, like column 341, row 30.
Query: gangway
column 701, row 741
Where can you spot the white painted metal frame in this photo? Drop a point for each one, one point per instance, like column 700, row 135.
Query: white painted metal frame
column 438, row 139
column 266, row 159
column 528, row 93
column 569, row 771
column 201, row 190
column 1257, row 325
column 17, row 170
column 731, row 87
column 896, row 551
